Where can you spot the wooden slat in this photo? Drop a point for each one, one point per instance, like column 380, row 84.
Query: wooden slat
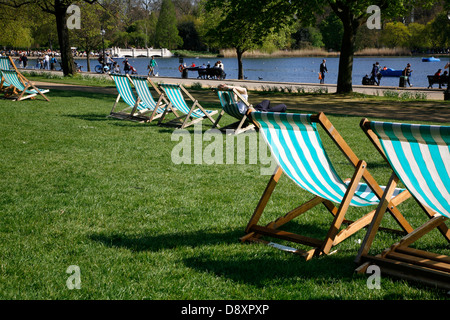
column 419, row 261
column 284, row 235
column 403, row 270
column 425, row 254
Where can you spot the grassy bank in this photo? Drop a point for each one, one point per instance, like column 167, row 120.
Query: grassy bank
column 82, row 189
column 318, row 52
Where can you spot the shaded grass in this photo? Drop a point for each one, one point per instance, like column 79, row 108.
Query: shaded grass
column 79, row 188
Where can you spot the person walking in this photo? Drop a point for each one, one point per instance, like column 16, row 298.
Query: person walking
column 323, row 69
column 374, row 74
column 126, row 66
column 407, row 74
column 24, row 60
column 151, row 66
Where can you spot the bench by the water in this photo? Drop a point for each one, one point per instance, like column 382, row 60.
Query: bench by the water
column 441, row 80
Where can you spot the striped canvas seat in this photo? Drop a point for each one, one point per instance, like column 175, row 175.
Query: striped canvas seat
column 4, row 65
column 295, row 141
column 229, row 101
column 419, row 156
column 295, row 144
column 146, row 98
column 229, row 104
column 175, row 94
column 144, row 94
column 134, row 107
column 25, row 89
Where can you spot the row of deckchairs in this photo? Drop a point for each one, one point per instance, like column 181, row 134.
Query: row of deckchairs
column 419, row 156
column 176, row 99
column 15, row 85
column 143, row 107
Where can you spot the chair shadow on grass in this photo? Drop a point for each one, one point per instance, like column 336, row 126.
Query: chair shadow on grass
column 255, row 264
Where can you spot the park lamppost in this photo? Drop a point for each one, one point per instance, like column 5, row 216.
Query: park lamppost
column 102, row 32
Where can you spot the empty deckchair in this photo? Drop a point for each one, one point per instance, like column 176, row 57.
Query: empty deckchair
column 146, row 99
column 24, row 89
column 134, row 109
column 175, row 94
column 419, row 156
column 229, row 101
column 295, row 144
column 5, row 64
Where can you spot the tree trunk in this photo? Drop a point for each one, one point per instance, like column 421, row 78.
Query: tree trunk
column 88, row 63
column 239, row 54
column 344, row 82
column 67, row 64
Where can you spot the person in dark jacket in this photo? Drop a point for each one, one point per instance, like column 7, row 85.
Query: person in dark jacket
column 323, row 69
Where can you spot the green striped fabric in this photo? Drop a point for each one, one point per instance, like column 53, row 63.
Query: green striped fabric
column 144, row 94
column 229, row 103
column 296, row 145
column 123, row 86
column 420, row 157
column 12, row 77
column 175, row 96
column 4, row 65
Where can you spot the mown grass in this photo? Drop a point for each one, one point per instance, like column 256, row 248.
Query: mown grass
column 82, row 189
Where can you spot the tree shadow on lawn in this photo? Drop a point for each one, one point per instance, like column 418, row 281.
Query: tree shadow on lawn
column 414, row 110
column 64, row 93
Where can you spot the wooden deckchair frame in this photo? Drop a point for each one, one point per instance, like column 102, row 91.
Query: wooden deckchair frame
column 13, row 90
column 18, row 94
column 161, row 101
column 185, row 123
column 126, row 113
column 254, row 232
column 238, row 126
column 400, row 260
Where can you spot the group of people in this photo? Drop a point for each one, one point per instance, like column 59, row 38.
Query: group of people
column 48, row 62
column 443, row 77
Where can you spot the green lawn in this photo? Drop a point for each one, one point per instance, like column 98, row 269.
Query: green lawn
column 82, row 189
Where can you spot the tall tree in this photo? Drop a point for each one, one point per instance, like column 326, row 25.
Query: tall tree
column 353, row 14
column 166, row 28
column 58, row 8
column 246, row 24
column 88, row 37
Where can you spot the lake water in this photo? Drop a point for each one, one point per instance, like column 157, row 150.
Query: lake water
column 297, row 70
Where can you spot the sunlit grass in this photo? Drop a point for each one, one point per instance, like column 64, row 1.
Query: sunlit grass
column 82, row 189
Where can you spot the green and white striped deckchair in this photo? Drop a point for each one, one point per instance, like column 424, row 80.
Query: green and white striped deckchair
column 419, row 156
column 24, row 89
column 135, row 108
column 5, row 64
column 175, row 94
column 295, row 144
column 229, row 101
column 146, row 98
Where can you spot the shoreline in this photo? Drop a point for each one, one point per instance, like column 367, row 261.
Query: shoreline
column 229, row 53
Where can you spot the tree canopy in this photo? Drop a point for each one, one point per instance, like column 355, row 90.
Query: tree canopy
column 243, row 25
